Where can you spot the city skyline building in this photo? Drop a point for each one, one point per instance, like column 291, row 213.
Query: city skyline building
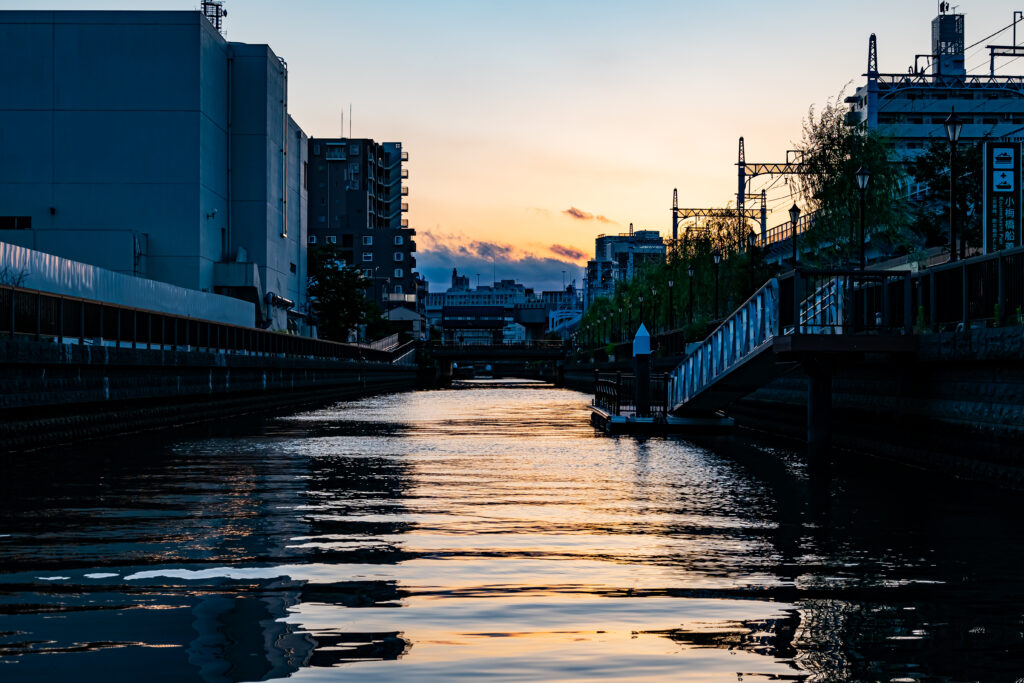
column 357, row 201
column 909, row 109
column 618, row 258
column 149, row 145
column 505, row 311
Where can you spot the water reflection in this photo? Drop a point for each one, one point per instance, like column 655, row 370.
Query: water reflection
column 487, row 532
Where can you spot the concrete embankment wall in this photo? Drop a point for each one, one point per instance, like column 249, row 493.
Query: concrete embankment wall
column 55, row 393
column 958, row 406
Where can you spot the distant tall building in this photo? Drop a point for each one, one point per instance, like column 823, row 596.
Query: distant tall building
column 619, row 257
column 357, row 201
column 147, row 144
column 909, row 109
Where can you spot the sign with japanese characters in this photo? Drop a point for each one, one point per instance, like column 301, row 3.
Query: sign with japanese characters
column 1002, row 196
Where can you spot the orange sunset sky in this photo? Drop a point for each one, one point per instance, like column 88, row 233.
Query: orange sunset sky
column 533, row 126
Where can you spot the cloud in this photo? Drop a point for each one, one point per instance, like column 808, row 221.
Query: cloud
column 438, row 253
column 576, row 213
column 581, row 215
column 567, row 252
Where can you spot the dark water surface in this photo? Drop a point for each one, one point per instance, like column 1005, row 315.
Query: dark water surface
column 488, row 533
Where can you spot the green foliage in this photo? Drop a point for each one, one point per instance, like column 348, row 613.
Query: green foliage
column 930, row 212
column 831, row 154
column 338, row 294
column 648, row 297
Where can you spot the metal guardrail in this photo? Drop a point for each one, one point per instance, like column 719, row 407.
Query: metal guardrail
column 740, row 336
column 616, row 394
column 388, row 343
column 70, row 320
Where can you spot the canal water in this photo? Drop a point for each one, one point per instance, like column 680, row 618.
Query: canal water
column 488, row 533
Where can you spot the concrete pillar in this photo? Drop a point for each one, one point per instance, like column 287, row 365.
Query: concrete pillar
column 819, row 405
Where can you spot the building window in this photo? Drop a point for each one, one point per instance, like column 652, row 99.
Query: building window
column 398, row 240
column 399, row 272
column 332, row 239
column 353, row 149
column 316, row 150
column 312, row 239
column 398, row 289
column 367, row 240
column 305, row 175
column 368, row 274
column 292, row 268
column 399, row 256
column 321, row 219
column 15, row 222
column 367, row 255
column 353, row 184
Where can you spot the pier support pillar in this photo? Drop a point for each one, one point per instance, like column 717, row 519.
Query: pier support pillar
column 819, row 405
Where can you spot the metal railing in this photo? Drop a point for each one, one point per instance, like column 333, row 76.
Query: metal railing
column 28, row 313
column 960, row 293
column 616, row 394
column 388, row 343
column 740, row 336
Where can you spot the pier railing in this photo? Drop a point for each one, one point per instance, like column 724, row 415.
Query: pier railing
column 615, row 393
column 752, row 326
column 69, row 320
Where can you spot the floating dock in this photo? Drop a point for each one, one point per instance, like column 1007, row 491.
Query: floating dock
column 611, row 423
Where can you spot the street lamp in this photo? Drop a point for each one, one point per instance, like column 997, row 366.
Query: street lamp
column 641, row 300
column 794, row 216
column 619, row 335
column 654, row 309
column 863, row 178
column 718, row 259
column 671, row 306
column 953, row 127
column 689, row 271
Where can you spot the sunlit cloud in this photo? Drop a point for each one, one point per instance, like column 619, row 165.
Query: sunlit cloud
column 486, row 261
column 576, row 213
column 567, row 252
column 581, row 215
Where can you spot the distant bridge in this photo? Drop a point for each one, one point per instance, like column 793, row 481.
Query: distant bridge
column 531, row 350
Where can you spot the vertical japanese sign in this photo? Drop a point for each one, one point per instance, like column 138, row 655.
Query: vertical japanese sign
column 1002, row 196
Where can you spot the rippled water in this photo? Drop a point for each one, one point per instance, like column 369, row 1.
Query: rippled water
column 488, row 533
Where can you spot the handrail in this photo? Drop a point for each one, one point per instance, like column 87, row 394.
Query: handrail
column 740, row 336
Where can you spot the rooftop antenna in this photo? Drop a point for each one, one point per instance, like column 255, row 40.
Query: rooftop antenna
column 215, row 12
column 349, row 121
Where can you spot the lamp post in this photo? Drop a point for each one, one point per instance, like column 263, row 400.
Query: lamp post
column 641, row 300
column 689, row 271
column 629, row 330
column 863, row 178
column 671, row 306
column 618, row 334
column 953, row 128
column 794, row 216
column 654, row 309
column 718, row 259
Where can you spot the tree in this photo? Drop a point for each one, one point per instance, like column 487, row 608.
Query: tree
column 338, row 294
column 831, row 154
column 930, row 208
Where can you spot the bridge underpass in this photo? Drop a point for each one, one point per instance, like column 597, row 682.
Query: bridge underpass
column 511, row 358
